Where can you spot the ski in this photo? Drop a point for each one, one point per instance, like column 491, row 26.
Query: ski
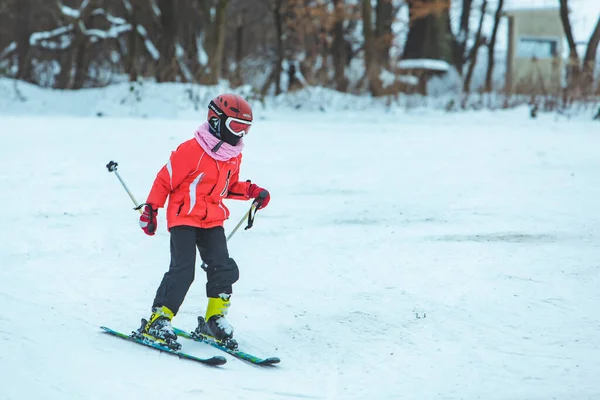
column 216, row 360
column 236, row 353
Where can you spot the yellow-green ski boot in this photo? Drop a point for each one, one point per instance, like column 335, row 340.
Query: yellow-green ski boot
column 158, row 328
column 214, row 324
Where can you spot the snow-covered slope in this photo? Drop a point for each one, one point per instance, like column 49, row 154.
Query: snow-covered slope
column 177, row 100
column 432, row 256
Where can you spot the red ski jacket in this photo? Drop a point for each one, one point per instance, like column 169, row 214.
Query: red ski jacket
column 196, row 185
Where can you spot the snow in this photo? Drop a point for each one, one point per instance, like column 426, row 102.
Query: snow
column 152, row 50
column 113, row 32
column 70, row 12
column 408, row 79
column 202, row 55
column 424, row 63
column 155, row 8
column 8, row 49
column 127, row 5
column 84, row 5
column 418, row 255
column 388, row 78
column 179, row 55
column 177, row 100
column 41, row 38
column 110, row 18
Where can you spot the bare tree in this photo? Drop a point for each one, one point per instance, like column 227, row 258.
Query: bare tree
column 167, row 67
column 371, row 63
column 479, row 41
column 489, row 76
column 239, row 48
column 384, row 14
column 339, row 48
column 139, row 49
column 214, row 35
column 23, row 29
column 573, row 66
column 462, row 37
column 278, row 9
column 72, row 39
column 309, row 42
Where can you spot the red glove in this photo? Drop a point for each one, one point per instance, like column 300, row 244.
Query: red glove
column 254, row 192
column 148, row 220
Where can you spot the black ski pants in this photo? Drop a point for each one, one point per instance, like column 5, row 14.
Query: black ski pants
column 221, row 272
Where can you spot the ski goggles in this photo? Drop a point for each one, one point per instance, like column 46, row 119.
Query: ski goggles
column 238, row 127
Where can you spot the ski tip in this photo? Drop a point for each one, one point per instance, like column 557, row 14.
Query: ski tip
column 270, row 361
column 217, row 360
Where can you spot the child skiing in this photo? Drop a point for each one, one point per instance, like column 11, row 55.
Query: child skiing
column 198, row 176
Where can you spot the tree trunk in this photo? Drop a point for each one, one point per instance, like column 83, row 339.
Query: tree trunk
column 429, row 35
column 63, row 80
column 489, row 76
column 573, row 66
column 475, row 50
column 293, row 82
column 339, row 47
column 189, row 30
column 239, row 48
column 463, row 35
column 384, row 14
column 22, row 32
column 214, row 38
column 589, row 60
column 371, row 67
column 217, row 59
column 166, row 64
column 81, row 46
column 278, row 17
column 82, row 63
column 133, row 48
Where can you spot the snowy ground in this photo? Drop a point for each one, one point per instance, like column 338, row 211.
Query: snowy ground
column 422, row 256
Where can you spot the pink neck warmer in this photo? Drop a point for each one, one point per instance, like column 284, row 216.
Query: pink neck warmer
column 207, row 141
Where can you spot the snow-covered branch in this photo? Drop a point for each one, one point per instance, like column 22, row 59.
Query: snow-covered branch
column 56, row 39
column 62, row 38
column 202, row 55
column 149, row 45
column 127, row 5
column 84, row 5
column 179, row 54
column 155, row 8
column 69, row 12
column 110, row 18
column 47, row 35
column 111, row 33
column 425, row 64
column 9, row 49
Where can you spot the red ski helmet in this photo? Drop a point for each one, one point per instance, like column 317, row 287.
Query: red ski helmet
column 229, row 117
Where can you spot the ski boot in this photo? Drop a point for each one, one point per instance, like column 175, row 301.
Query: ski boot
column 158, row 328
column 215, row 325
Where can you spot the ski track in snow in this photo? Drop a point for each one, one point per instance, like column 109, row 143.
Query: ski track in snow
column 439, row 256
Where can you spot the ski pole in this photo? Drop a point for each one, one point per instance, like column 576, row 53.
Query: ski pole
column 255, row 204
column 112, row 167
column 253, row 208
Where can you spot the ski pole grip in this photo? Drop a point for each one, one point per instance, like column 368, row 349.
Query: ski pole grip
column 112, row 166
column 261, row 197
